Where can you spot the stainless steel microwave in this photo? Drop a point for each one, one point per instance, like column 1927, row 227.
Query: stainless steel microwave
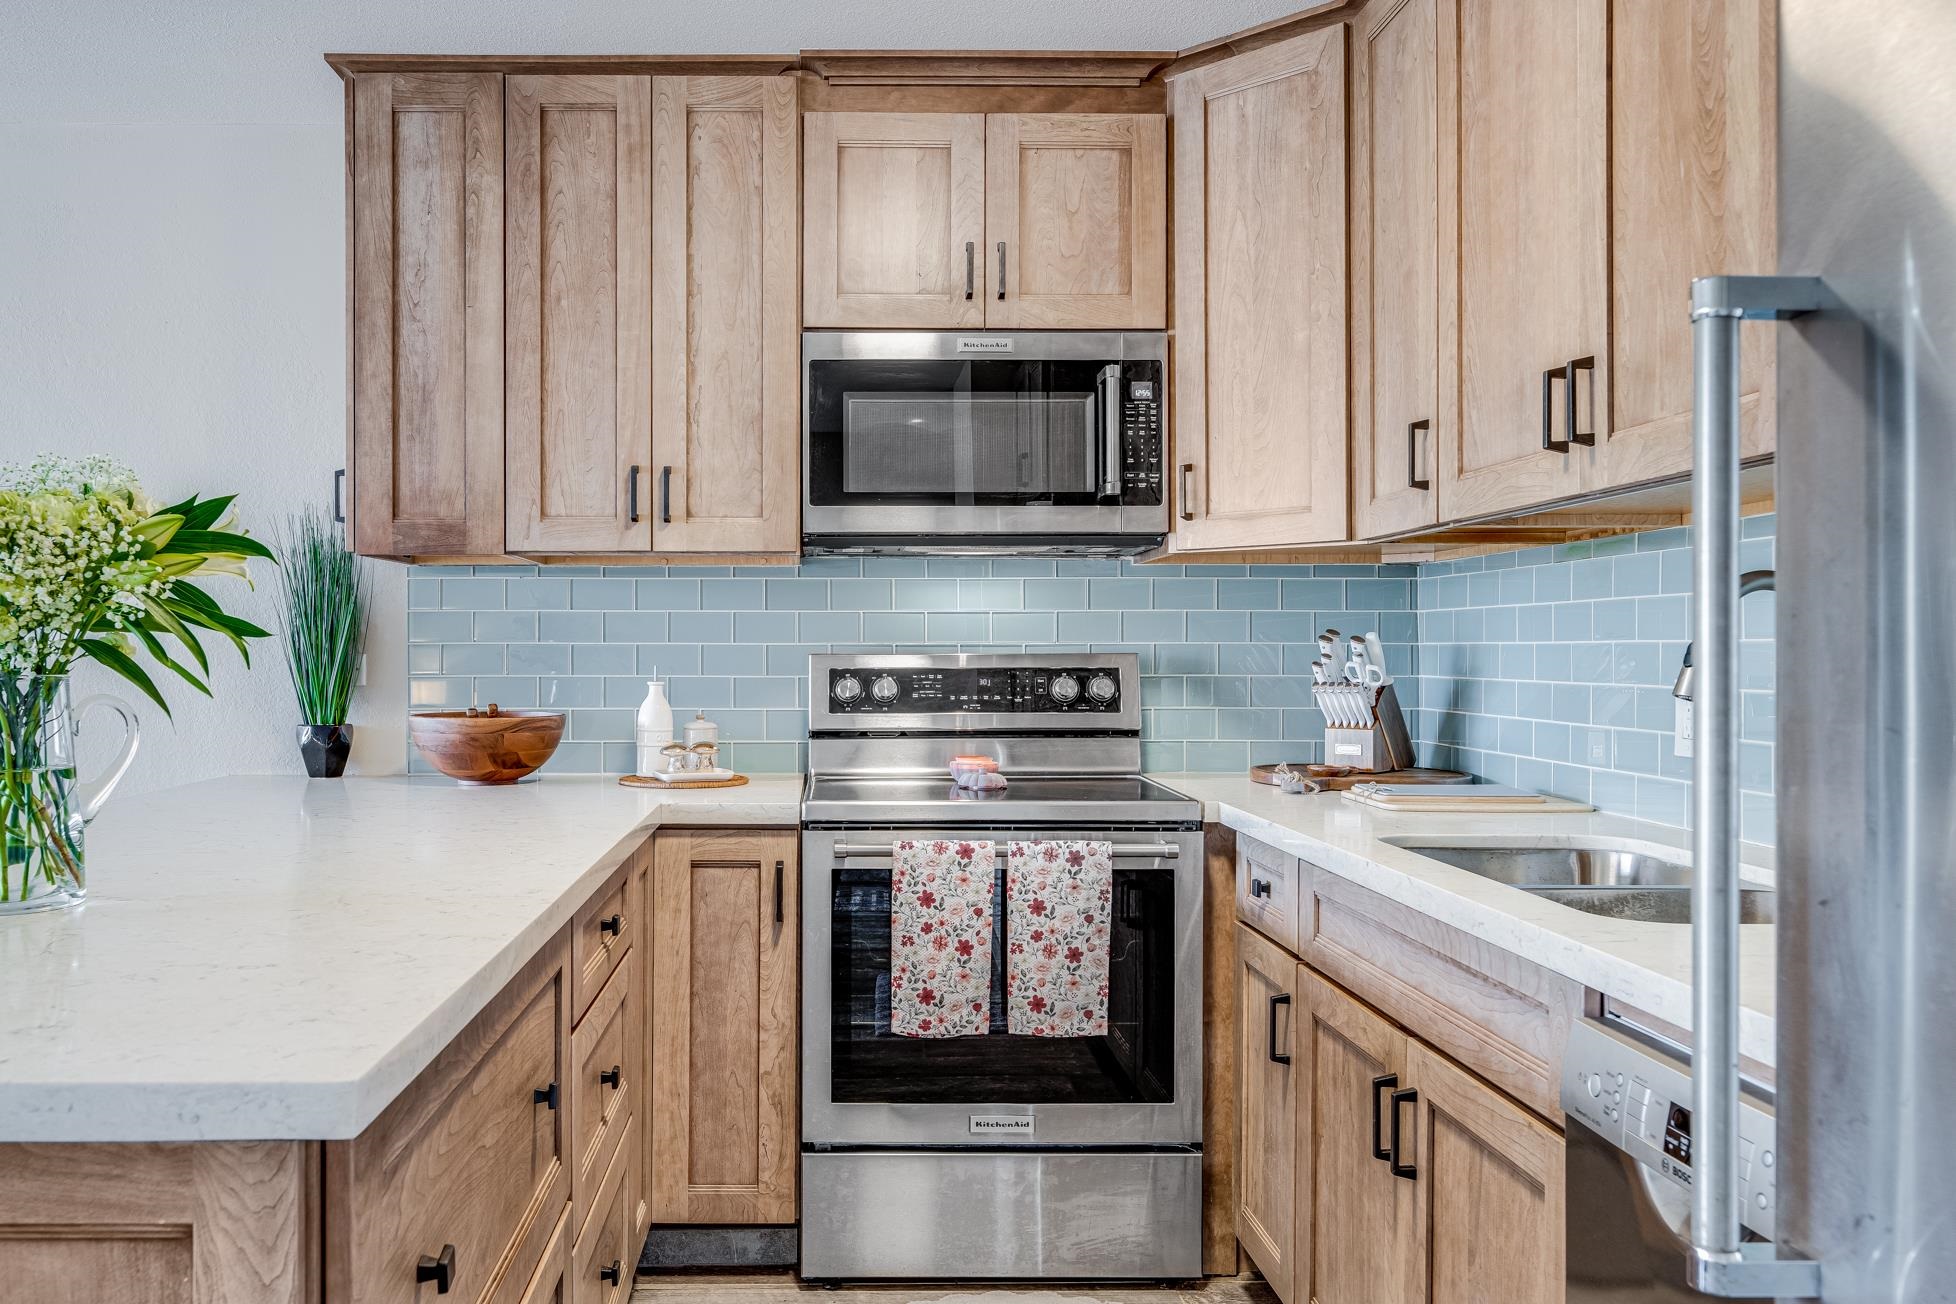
column 983, row 442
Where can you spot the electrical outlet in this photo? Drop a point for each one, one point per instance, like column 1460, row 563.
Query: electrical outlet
column 1681, row 726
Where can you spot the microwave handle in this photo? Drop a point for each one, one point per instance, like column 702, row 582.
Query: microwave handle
column 1107, row 392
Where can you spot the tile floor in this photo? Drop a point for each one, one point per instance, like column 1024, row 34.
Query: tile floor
column 782, row 1288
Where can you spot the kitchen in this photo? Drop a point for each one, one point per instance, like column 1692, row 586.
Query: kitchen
column 1158, row 444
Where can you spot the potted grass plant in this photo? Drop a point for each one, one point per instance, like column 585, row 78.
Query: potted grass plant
column 323, row 592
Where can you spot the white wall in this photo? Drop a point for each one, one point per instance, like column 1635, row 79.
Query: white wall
column 172, row 249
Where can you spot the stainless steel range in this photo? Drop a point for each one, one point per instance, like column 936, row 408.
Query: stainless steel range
column 996, row 1155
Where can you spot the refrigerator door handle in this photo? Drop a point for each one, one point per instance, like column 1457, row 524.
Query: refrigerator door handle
column 1719, row 1264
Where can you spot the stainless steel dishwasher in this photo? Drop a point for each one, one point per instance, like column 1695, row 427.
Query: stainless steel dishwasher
column 1627, row 1098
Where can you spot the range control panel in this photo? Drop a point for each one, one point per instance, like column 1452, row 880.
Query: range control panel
column 1639, row 1100
column 991, row 690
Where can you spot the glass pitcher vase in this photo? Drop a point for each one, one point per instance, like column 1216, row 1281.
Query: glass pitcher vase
column 44, row 806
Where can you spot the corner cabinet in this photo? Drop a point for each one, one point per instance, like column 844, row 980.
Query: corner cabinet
column 950, row 221
column 1259, row 351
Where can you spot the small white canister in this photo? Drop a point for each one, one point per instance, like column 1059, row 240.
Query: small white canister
column 699, row 729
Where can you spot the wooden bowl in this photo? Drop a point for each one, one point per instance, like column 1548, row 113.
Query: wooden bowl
column 484, row 748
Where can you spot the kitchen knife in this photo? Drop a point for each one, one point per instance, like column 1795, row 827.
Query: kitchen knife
column 1375, row 651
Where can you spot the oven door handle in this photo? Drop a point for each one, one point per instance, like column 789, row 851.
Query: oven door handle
column 1166, row 850
column 1107, row 392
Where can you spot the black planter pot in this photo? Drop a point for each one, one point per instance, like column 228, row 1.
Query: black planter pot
column 324, row 748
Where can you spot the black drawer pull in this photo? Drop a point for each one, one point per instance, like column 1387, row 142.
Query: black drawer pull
column 612, row 1275
column 665, row 495
column 1259, row 887
column 1399, row 1167
column 631, row 495
column 339, row 496
column 1569, row 398
column 1550, row 443
column 613, row 925
column 1281, row 998
column 545, row 1096
column 438, row 1269
column 1379, row 1150
column 970, row 253
column 1414, row 480
column 614, row 1077
column 779, row 905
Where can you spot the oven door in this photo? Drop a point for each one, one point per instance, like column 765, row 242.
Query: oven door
column 1140, row 1084
column 903, row 436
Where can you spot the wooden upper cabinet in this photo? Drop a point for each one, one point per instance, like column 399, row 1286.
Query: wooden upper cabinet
column 1076, row 217
column 1692, row 147
column 894, row 227
column 1398, row 371
column 1266, row 1155
column 1259, row 357
column 725, row 326
column 426, row 268
column 1524, row 152
column 579, row 313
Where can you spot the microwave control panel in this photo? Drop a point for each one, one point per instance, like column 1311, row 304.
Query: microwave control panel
column 1142, row 445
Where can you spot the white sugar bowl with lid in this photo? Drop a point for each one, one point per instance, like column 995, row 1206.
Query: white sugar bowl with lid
column 699, row 730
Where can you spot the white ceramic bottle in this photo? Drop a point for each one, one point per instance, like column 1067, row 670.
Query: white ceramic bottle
column 654, row 727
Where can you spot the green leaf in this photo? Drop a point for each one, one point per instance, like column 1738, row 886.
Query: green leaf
column 218, row 541
column 114, row 658
column 201, row 514
column 162, row 657
column 167, row 620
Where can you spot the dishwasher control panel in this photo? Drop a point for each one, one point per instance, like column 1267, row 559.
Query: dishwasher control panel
column 1638, row 1099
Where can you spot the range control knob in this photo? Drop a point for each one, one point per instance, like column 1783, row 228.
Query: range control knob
column 1100, row 688
column 847, row 689
column 883, row 688
column 1064, row 689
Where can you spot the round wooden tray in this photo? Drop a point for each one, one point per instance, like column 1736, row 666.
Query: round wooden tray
column 1336, row 783
column 635, row 781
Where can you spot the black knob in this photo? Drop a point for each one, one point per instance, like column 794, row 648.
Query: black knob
column 438, row 1269
column 1259, row 888
column 613, row 925
column 612, row 1274
column 613, row 1077
column 545, row 1096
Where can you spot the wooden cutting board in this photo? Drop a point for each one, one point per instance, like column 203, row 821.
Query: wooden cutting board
column 1268, row 774
column 1439, row 804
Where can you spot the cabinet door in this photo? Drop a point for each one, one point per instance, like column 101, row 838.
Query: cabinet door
column 1076, row 216
column 894, row 220
column 1266, row 1171
column 580, row 313
column 724, row 1050
column 1692, row 95
column 639, row 901
column 1356, row 1220
column 1524, row 288
column 1490, row 1188
column 1259, row 354
column 725, row 337
column 427, row 314
column 1397, row 370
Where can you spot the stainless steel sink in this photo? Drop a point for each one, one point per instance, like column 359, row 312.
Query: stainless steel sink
column 1605, row 881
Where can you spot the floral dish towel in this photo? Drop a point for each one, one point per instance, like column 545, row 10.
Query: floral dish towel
column 941, row 938
column 1058, row 897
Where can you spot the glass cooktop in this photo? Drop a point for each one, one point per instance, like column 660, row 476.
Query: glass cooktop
column 1091, row 799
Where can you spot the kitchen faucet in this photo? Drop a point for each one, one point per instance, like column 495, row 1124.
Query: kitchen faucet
column 1753, row 581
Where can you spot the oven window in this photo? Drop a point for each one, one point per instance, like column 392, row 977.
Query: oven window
column 1132, row 1063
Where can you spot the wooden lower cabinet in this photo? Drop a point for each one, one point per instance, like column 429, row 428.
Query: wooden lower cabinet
column 1266, row 1168
column 606, row 1256
column 725, row 922
column 550, row 1284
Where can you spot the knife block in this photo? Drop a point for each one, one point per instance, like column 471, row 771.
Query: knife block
column 1381, row 745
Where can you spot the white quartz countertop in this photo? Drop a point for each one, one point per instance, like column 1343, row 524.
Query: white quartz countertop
column 1644, row 965
column 276, row 958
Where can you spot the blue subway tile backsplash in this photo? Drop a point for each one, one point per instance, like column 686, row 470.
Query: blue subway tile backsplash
column 1546, row 667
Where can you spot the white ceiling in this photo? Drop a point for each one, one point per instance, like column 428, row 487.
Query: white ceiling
column 257, row 61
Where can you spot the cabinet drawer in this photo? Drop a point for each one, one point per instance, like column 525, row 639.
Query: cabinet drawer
column 604, row 1259
column 604, row 1070
column 466, row 1167
column 547, row 1284
column 1267, row 891
column 600, row 935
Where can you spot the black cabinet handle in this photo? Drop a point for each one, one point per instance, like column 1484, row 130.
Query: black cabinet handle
column 614, row 1077
column 1400, row 1168
column 614, row 925
column 1259, row 888
column 970, row 267
column 1413, row 478
column 665, row 495
column 1001, row 271
column 1281, row 998
column 1388, row 1080
column 611, row 1275
column 779, row 905
column 339, row 497
column 1569, row 394
column 631, row 494
column 439, row 1269
column 545, row 1096
column 1549, row 442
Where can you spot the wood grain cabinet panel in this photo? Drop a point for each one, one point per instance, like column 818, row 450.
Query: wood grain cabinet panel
column 602, row 931
column 578, row 337
column 1267, row 1086
column 1076, row 220
column 1692, row 147
column 1259, row 358
column 553, row 1271
column 426, row 275
column 1398, row 372
column 724, row 1049
column 894, row 225
column 725, row 325
column 604, row 1071
column 1524, row 156
column 605, row 1257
